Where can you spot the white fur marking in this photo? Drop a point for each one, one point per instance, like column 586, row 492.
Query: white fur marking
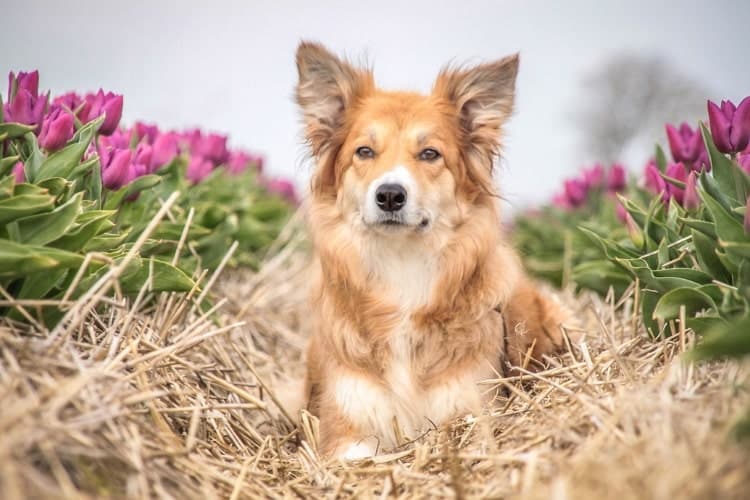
column 358, row 451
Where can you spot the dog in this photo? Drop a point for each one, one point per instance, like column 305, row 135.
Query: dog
column 416, row 294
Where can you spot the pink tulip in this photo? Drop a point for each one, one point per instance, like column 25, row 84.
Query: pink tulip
column 25, row 105
column 147, row 132
column 142, row 158
column 57, row 129
column 691, row 200
column 117, row 169
column 100, row 103
column 730, row 125
column 238, row 162
column 593, row 177
column 212, row 147
column 678, row 172
column 743, row 161
column 686, row 144
column 198, row 169
column 653, row 180
column 621, row 212
column 164, row 150
column 576, row 191
column 119, row 139
column 18, row 173
column 70, row 101
column 616, row 178
column 283, row 188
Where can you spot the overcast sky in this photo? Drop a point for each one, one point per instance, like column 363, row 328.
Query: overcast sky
column 229, row 65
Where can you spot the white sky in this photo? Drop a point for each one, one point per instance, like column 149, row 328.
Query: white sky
column 229, row 65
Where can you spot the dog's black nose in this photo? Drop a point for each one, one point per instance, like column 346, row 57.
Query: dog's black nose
column 390, row 197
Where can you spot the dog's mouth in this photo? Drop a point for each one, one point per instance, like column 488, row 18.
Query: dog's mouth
column 394, row 224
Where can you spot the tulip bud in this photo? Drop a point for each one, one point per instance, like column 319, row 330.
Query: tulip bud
column 198, row 169
column 730, row 125
column 18, row 173
column 100, row 103
column 57, row 129
column 621, row 212
column 676, row 171
column 25, row 105
column 576, row 191
column 164, row 150
column 117, row 170
column 142, row 157
column 238, row 162
column 146, row 131
column 283, row 188
column 685, row 143
column 593, row 177
column 616, row 178
column 691, row 201
column 654, row 182
column 743, row 161
column 212, row 147
column 634, row 231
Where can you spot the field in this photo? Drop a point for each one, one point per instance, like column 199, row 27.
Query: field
column 168, row 400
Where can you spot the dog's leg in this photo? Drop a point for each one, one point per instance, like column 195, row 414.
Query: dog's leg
column 533, row 326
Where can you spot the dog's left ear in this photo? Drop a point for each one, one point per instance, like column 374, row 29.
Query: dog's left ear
column 483, row 97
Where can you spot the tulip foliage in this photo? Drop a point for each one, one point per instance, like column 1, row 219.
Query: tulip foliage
column 680, row 236
column 77, row 191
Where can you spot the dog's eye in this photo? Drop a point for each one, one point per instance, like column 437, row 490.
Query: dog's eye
column 429, row 154
column 365, row 152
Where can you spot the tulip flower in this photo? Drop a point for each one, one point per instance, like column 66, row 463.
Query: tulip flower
column 686, row 145
column 691, row 201
column 653, row 180
column 146, row 131
column 18, row 173
column 283, row 188
column 676, row 171
column 561, row 201
column 119, row 139
column 198, row 169
column 70, row 101
column 212, row 147
column 621, row 213
column 730, row 125
column 238, row 162
column 163, row 151
column 57, row 129
column 593, row 177
column 100, row 103
column 616, row 178
column 117, row 169
column 743, row 161
column 25, row 105
column 142, row 159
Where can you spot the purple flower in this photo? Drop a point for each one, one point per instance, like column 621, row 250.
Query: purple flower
column 212, row 147
column 146, row 131
column 743, row 161
column 70, row 101
column 686, row 144
column 691, row 201
column 238, row 162
column 730, row 125
column 25, row 105
column 119, row 139
column 561, row 201
column 654, row 182
column 18, row 173
column 283, row 188
column 163, row 151
column 593, row 177
column 142, row 159
column 100, row 103
column 57, row 129
column 621, row 213
column 616, row 178
column 576, row 192
column 117, row 169
column 198, row 169
column 678, row 172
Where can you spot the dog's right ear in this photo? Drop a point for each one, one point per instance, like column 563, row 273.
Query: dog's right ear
column 327, row 87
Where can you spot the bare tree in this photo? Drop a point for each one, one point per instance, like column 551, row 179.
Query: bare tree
column 626, row 102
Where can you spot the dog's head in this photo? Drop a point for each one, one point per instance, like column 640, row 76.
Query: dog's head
column 396, row 162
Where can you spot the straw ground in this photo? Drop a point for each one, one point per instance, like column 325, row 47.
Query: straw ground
column 157, row 397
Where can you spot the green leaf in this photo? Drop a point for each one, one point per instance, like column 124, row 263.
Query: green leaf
column 23, row 205
column 161, row 276
column 705, row 250
column 14, row 130
column 728, row 227
column 87, row 226
column 7, row 164
column 694, row 300
column 18, row 260
column 63, row 162
column 738, row 249
column 729, row 340
column 660, row 158
column 703, row 324
column 708, row 228
column 41, row 229
column 34, row 161
column 648, row 304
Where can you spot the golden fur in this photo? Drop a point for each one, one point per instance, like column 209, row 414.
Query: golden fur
column 408, row 319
